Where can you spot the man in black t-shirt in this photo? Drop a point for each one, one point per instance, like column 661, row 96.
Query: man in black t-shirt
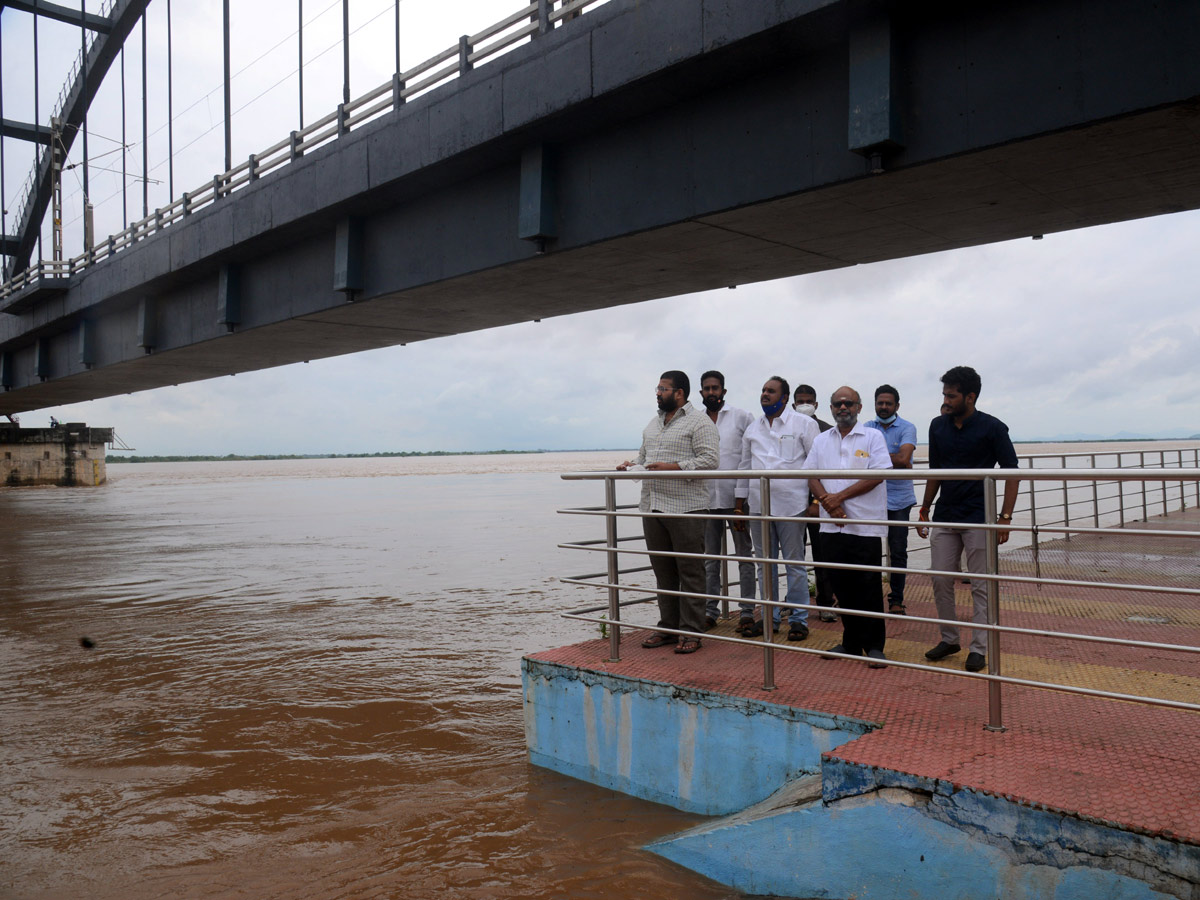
column 962, row 437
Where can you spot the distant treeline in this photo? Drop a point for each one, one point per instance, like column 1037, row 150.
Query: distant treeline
column 233, row 457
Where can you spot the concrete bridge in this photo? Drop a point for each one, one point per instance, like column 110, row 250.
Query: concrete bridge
column 647, row 149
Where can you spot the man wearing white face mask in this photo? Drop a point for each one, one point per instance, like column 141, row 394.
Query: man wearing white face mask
column 806, row 404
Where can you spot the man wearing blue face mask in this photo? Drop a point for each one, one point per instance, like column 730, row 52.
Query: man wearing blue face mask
column 778, row 439
column 900, row 435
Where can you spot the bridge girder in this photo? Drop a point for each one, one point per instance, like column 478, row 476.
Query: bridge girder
column 112, row 31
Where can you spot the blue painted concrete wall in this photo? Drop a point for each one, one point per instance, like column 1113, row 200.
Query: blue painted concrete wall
column 695, row 751
column 891, row 844
column 870, row 833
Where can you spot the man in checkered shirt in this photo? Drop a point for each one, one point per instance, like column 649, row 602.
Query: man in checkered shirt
column 679, row 438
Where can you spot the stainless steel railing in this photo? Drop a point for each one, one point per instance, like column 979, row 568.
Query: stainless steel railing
column 1145, row 482
column 1047, row 503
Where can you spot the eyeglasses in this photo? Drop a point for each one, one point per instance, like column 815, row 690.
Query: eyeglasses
column 837, row 404
column 663, row 390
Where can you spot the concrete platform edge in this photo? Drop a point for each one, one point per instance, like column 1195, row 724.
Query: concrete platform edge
column 898, row 843
column 695, row 750
column 719, row 755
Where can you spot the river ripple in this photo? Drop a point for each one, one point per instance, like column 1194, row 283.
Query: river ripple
column 305, row 684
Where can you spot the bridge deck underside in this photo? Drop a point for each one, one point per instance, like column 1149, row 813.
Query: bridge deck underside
column 689, row 146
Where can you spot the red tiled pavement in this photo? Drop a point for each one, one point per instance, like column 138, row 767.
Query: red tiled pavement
column 1129, row 764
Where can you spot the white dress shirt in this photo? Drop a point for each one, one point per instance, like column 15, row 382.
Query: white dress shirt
column 731, row 425
column 862, row 448
column 781, row 443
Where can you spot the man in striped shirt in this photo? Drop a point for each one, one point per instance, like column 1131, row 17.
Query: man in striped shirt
column 678, row 438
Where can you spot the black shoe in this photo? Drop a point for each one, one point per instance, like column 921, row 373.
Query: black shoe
column 835, row 649
column 797, row 632
column 878, row 657
column 757, row 628
column 941, row 651
column 975, row 662
column 709, row 623
column 744, row 623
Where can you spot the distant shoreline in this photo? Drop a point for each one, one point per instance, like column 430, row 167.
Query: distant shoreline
column 235, row 457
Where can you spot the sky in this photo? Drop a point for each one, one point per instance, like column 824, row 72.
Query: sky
column 1090, row 333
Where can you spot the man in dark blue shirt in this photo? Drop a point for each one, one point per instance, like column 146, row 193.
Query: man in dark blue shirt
column 962, row 437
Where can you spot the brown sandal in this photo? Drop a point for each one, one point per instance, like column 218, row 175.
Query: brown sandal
column 658, row 640
column 688, row 645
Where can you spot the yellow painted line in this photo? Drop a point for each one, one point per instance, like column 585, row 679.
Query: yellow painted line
column 1080, row 608
column 1117, row 679
column 1089, row 675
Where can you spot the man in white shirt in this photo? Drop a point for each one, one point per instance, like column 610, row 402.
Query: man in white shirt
column 731, row 424
column 779, row 439
column 849, row 445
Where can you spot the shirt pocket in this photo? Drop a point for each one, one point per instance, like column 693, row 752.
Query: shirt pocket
column 860, row 459
column 789, row 448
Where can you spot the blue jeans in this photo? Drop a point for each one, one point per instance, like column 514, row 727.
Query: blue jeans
column 713, row 529
column 897, row 538
column 787, row 542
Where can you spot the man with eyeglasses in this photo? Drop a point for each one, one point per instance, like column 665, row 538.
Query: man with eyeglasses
column 851, row 446
column 678, row 438
column 963, row 437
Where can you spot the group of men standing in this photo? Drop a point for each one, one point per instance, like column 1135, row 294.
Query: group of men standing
column 791, row 437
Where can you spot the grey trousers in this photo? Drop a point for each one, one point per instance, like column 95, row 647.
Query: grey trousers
column 946, row 549
column 713, row 530
column 676, row 535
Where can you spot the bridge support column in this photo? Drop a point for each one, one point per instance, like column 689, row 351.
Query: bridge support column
column 537, row 212
column 146, row 321
column 229, row 297
column 874, row 119
column 348, row 257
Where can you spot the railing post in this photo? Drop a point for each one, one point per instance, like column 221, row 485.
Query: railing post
column 542, row 17
column 1196, row 465
column 1142, row 466
column 768, row 612
column 1066, row 505
column 464, row 55
column 1182, row 484
column 1095, row 497
column 1162, row 464
column 614, row 592
column 1033, row 535
column 995, row 709
column 725, row 568
column 1120, row 493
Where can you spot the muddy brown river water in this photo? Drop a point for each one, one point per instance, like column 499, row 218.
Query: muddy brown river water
column 305, row 683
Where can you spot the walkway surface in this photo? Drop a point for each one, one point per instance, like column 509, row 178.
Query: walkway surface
column 1127, row 764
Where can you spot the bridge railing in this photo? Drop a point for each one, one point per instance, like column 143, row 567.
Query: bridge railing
column 621, row 594
column 526, row 23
